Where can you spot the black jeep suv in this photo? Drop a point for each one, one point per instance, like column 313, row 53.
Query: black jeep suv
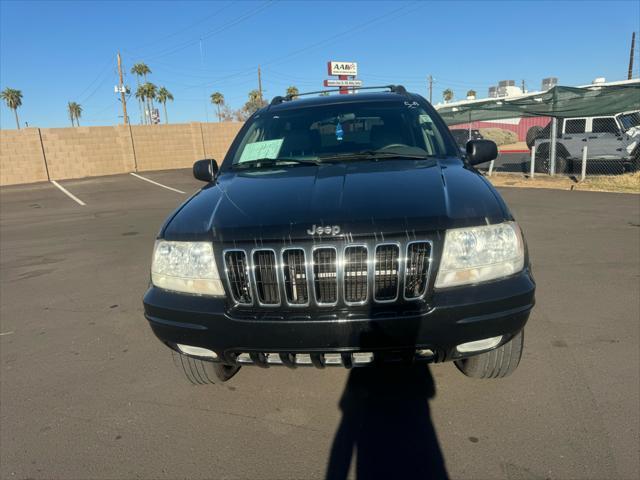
column 342, row 230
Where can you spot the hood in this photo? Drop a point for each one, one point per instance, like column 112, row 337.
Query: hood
column 359, row 198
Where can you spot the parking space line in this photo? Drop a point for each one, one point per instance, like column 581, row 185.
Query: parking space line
column 156, row 183
column 68, row 193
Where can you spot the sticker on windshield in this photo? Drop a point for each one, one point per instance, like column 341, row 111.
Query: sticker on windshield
column 260, row 150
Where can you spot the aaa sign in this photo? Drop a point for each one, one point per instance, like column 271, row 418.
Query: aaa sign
column 343, row 68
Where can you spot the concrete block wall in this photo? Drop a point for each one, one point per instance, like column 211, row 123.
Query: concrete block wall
column 218, row 138
column 87, row 151
column 94, row 151
column 163, row 147
column 21, row 157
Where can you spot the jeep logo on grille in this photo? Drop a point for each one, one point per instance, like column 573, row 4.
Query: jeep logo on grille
column 320, row 230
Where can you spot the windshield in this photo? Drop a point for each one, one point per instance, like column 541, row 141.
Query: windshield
column 341, row 132
column 629, row 120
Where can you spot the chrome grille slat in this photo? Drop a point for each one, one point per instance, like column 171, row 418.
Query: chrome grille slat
column 386, row 273
column 324, row 276
column 418, row 262
column 237, row 271
column 265, row 274
column 355, row 274
column 295, row 276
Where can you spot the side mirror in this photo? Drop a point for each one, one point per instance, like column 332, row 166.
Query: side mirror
column 205, row 170
column 481, row 151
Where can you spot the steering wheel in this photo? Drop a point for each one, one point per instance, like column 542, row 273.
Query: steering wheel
column 394, row 145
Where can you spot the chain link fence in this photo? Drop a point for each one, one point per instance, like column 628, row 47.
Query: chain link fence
column 577, row 147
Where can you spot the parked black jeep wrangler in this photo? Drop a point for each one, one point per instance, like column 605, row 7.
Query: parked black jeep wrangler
column 342, row 230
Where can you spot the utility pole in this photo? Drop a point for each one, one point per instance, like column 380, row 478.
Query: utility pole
column 523, row 90
column 122, row 97
column 633, row 46
column 260, row 84
column 430, row 88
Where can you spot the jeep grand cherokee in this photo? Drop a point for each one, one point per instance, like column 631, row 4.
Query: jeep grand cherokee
column 342, row 230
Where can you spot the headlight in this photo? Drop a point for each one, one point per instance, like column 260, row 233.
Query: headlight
column 478, row 254
column 186, row 267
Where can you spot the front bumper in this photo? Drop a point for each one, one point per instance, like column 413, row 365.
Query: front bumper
column 455, row 316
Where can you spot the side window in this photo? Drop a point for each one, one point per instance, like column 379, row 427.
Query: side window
column 576, row 125
column 605, row 125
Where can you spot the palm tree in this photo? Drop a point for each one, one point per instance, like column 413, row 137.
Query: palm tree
column 292, row 92
column 163, row 96
column 150, row 93
column 218, row 100
column 13, row 99
column 471, row 93
column 75, row 112
column 447, row 95
column 142, row 98
column 141, row 70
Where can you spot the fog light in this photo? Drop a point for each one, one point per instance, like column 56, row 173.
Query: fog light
column 196, row 351
column 478, row 345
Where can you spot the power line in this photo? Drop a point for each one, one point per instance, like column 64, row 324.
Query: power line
column 95, row 90
column 332, row 38
column 102, row 71
column 232, row 23
column 181, row 30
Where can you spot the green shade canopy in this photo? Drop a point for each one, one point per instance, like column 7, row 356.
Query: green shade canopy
column 561, row 102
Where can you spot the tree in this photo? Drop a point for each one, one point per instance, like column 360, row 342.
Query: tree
column 254, row 103
column 13, row 99
column 447, row 95
column 142, row 98
column 218, row 100
column 75, row 112
column 163, row 96
column 292, row 92
column 471, row 93
column 150, row 93
column 141, row 70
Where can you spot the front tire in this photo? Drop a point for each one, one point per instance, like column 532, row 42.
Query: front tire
column 497, row 363
column 200, row 372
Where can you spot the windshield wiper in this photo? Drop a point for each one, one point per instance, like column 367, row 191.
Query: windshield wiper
column 270, row 162
column 373, row 155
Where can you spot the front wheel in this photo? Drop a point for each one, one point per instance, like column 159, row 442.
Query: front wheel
column 200, row 372
column 497, row 363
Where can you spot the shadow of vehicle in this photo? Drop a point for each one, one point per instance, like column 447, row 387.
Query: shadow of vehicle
column 386, row 423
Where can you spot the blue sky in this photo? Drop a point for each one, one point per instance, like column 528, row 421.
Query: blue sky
column 57, row 52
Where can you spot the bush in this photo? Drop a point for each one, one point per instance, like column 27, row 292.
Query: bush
column 499, row 135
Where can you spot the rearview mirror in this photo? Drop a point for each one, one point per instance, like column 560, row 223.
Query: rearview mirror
column 481, row 151
column 205, row 170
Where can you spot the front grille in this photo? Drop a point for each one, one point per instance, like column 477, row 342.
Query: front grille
column 329, row 275
column 386, row 273
column 266, row 276
column 325, row 275
column 355, row 274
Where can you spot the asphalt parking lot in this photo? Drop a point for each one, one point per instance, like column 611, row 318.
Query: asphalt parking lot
column 86, row 391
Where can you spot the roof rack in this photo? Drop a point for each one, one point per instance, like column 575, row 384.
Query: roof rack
column 399, row 89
